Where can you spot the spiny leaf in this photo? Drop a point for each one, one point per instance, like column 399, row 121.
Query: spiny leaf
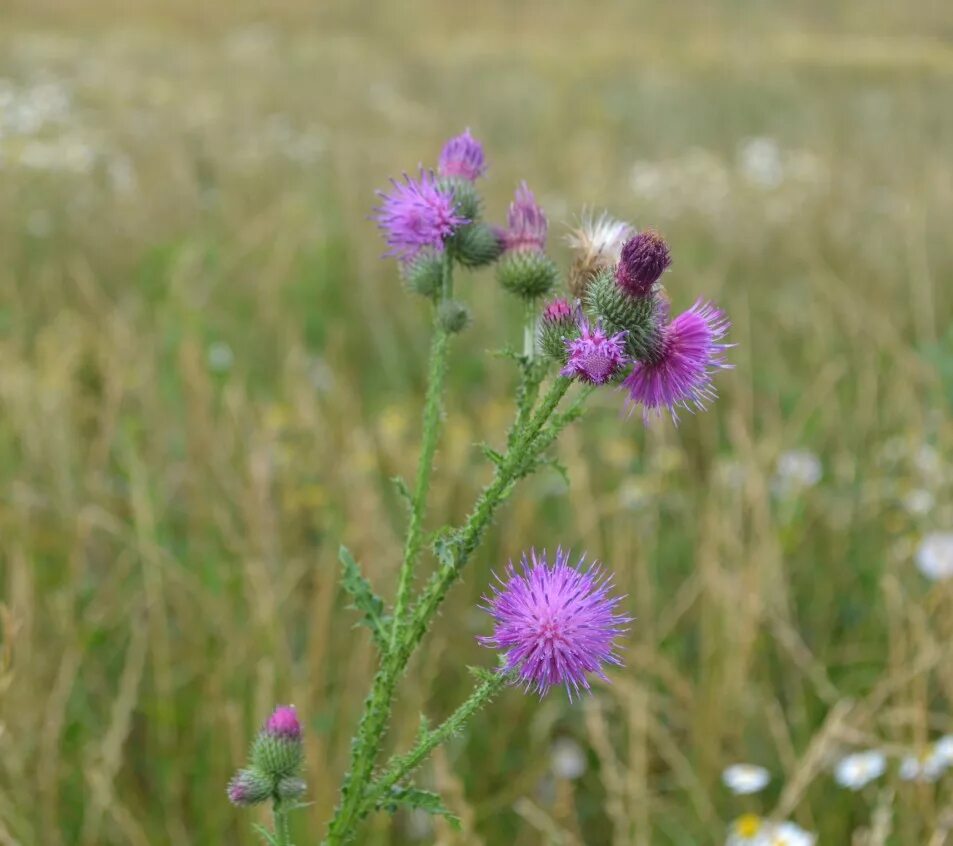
column 403, row 490
column 493, row 455
column 265, row 834
column 444, row 545
column 365, row 599
column 424, row 800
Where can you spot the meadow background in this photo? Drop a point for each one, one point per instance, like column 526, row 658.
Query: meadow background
column 207, row 377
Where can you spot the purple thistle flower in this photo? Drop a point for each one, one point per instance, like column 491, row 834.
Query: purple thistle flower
column 527, row 223
column 283, row 723
column 462, row 156
column 418, row 213
column 555, row 624
column 690, row 351
column 643, row 260
column 594, row 356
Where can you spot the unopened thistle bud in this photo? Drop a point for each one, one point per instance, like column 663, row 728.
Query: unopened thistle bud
column 556, row 325
column 423, row 274
column 248, row 787
column 277, row 751
column 477, row 244
column 620, row 312
column 466, row 199
column 527, row 274
column 291, row 788
column 454, row 316
column 643, row 260
column 596, row 244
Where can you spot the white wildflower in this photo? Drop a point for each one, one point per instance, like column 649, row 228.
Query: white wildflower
column 935, row 555
column 568, row 758
column 858, row 770
column 742, row 779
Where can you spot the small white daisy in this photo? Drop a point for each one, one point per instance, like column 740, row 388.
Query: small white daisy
column 926, row 767
column 797, row 469
column 568, row 758
column 790, row 834
column 858, row 770
column 919, row 502
column 749, row 830
column 743, row 779
column 935, row 555
column 943, row 750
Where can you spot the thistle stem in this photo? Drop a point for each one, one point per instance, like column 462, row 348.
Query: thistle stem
column 401, row 766
column 282, row 832
column 529, row 331
column 378, row 704
column 520, row 459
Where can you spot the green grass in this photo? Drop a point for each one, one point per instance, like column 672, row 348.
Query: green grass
column 169, row 531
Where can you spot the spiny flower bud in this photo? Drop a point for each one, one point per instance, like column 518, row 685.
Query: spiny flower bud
column 527, row 224
column 277, row 751
column 556, row 325
column 476, row 245
column 596, row 243
column 643, row 260
column 527, row 273
column 423, row 274
column 466, row 199
column 462, row 156
column 248, row 787
column 291, row 788
column 619, row 312
column 454, row 316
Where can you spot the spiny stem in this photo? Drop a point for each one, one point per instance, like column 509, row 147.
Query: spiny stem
column 377, row 707
column 520, row 458
column 529, row 331
column 282, row 832
column 431, row 434
column 517, row 462
column 401, row 766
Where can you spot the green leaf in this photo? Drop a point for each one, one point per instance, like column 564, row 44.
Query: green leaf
column 424, row 800
column 444, row 545
column 265, row 834
column 365, row 600
column 403, row 490
column 493, row 455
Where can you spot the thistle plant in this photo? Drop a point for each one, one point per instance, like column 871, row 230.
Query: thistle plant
column 554, row 622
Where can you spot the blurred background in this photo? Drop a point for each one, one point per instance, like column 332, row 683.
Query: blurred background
column 208, row 375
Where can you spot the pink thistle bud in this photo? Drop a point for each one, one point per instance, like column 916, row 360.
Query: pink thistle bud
column 558, row 311
column 283, row 723
column 643, row 260
column 527, row 223
column 462, row 156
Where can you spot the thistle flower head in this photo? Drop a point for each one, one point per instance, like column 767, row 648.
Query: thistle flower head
column 527, row 225
column 596, row 243
column 679, row 372
column 462, row 156
column 417, row 213
column 594, row 356
column 248, row 787
column 555, row 624
column 644, row 258
column 283, row 723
